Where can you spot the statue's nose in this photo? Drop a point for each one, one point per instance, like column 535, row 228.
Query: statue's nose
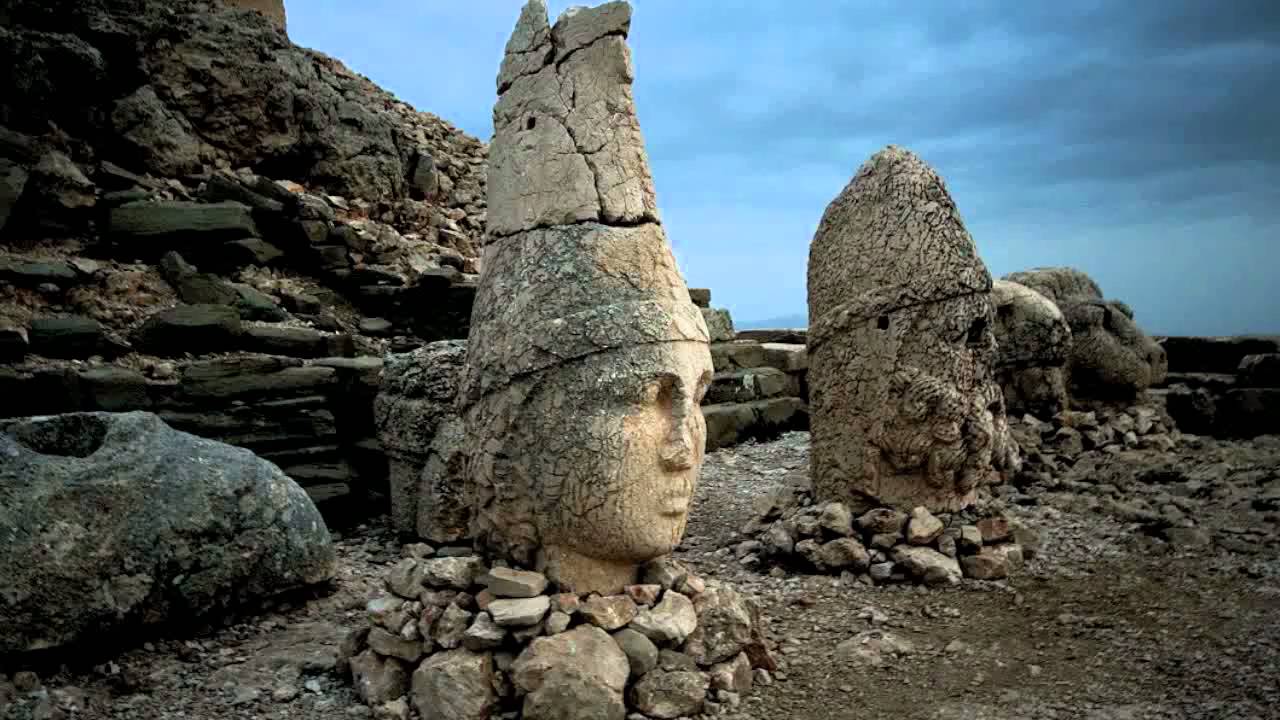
column 677, row 452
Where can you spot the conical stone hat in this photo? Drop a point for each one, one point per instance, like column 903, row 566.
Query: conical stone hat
column 576, row 262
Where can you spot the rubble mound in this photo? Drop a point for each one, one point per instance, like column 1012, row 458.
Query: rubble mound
column 883, row 545
column 794, row 532
column 456, row 637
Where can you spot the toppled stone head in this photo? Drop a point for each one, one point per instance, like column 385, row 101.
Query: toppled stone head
column 1110, row 357
column 903, row 406
column 587, row 360
column 1033, row 342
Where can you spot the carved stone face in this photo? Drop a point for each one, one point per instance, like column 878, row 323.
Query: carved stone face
column 590, row 468
column 630, row 499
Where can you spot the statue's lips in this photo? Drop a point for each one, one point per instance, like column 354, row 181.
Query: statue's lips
column 674, row 504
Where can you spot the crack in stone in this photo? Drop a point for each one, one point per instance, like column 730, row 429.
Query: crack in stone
column 553, row 226
column 580, row 48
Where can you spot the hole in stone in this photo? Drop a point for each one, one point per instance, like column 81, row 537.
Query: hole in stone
column 1004, row 311
column 882, row 322
column 530, row 123
column 72, row 435
column 976, row 331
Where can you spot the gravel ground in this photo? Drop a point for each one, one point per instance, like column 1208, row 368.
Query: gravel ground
column 1111, row 621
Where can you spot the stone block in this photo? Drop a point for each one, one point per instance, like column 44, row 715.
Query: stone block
column 66, row 337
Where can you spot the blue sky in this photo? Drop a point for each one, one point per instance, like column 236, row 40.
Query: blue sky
column 1139, row 142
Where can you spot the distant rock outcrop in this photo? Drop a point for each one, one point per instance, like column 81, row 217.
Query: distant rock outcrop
column 177, row 88
column 200, row 218
column 273, row 10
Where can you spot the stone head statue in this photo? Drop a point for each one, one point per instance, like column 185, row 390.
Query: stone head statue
column 586, row 360
column 1110, row 356
column 904, row 409
column 1034, row 341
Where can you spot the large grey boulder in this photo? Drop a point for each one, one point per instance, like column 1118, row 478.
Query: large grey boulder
column 110, row 521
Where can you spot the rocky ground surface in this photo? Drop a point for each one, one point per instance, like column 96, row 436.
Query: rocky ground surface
column 1111, row 619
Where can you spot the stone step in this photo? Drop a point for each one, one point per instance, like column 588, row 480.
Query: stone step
column 1248, row 413
column 731, row 423
column 308, row 474
column 150, row 228
column 226, row 379
column 265, row 426
column 298, row 342
column 797, row 336
column 343, row 506
column 738, row 386
column 1215, row 382
column 1215, row 354
column 1262, row 371
column 748, row 354
column 787, row 357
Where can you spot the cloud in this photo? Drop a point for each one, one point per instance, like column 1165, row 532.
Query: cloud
column 1136, row 141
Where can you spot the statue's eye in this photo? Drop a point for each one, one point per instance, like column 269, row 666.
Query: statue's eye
column 704, row 384
column 659, row 391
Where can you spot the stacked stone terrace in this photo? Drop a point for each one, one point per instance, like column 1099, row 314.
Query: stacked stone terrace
column 1224, row 386
column 759, row 389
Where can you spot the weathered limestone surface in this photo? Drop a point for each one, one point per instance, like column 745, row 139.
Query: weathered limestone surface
column 112, row 520
column 1111, row 357
column 567, row 146
column 904, row 407
column 273, row 10
column 587, row 360
column 415, row 400
column 1033, row 343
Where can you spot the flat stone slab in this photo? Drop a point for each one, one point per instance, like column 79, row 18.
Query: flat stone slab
column 731, row 423
column 1215, row 354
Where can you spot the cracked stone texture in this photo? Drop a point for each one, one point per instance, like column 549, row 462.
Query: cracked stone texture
column 444, row 503
column 567, row 145
column 904, row 408
column 273, row 10
column 1033, row 343
column 416, row 398
column 1111, row 357
column 587, row 360
column 110, row 521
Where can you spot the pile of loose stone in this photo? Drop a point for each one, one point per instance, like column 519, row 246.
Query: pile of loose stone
column 882, row 545
column 1048, row 447
column 455, row 638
